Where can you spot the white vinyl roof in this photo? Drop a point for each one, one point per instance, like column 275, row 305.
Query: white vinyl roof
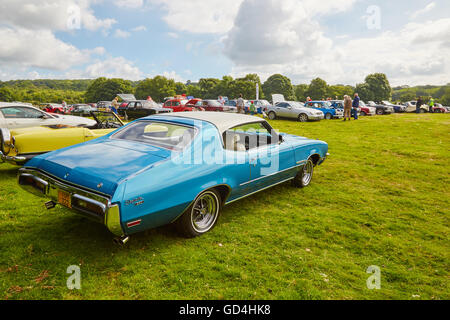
column 222, row 120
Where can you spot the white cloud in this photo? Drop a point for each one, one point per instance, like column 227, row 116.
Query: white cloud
column 121, row 34
column 420, row 12
column 173, row 35
column 134, row 4
column 51, row 15
column 199, row 16
column 139, row 28
column 292, row 42
column 117, row 67
column 39, row 49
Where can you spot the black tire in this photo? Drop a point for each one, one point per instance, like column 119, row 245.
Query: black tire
column 305, row 175
column 328, row 116
column 363, row 114
column 422, row 111
column 303, row 117
column 272, row 115
column 380, row 112
column 190, row 227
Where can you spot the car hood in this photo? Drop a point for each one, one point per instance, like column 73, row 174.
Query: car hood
column 74, row 119
column 99, row 166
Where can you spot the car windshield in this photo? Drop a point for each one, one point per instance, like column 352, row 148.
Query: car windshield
column 387, row 103
column 362, row 103
column 296, row 104
column 264, row 102
column 159, row 134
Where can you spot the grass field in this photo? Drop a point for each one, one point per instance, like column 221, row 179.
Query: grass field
column 382, row 199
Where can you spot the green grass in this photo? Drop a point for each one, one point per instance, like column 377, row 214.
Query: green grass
column 382, row 198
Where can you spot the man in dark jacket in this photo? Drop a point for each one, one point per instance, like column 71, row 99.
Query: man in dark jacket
column 419, row 104
column 355, row 106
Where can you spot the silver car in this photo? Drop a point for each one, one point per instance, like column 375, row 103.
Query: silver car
column 293, row 110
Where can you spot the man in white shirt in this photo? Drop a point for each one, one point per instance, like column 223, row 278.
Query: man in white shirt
column 240, row 104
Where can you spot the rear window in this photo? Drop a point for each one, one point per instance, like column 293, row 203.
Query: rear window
column 160, row 134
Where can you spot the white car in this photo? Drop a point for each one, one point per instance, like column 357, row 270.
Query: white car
column 411, row 107
column 294, row 110
column 20, row 115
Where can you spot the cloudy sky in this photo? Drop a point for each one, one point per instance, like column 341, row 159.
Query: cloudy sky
column 339, row 40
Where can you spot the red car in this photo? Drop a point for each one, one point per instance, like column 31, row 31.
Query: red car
column 439, row 108
column 53, row 108
column 182, row 105
column 214, row 105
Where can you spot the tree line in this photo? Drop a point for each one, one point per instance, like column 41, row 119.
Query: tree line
column 375, row 87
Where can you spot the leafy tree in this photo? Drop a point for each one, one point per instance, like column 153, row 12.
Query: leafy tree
column 7, row 95
column 278, row 84
column 103, row 89
column 445, row 100
column 158, row 88
column 379, row 85
column 180, row 88
column 193, row 91
column 300, row 92
column 208, row 87
column 364, row 92
column 339, row 91
column 318, row 89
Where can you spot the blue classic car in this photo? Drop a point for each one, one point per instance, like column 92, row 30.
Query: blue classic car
column 179, row 168
column 327, row 108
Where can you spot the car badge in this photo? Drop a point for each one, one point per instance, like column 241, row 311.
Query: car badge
column 100, row 185
column 66, row 176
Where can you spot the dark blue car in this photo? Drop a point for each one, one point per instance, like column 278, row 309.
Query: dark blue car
column 327, row 108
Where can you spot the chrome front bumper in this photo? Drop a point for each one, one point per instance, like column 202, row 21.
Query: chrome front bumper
column 13, row 160
column 92, row 205
column 314, row 117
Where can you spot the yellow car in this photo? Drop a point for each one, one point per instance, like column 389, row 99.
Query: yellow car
column 17, row 146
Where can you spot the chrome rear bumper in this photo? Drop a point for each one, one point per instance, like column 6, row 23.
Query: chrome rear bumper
column 13, row 160
column 92, row 205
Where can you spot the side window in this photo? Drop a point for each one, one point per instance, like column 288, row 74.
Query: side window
column 21, row 113
column 138, row 105
column 282, row 105
column 248, row 137
column 175, row 103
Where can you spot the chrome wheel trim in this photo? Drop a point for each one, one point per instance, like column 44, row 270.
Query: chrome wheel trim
column 308, row 170
column 328, row 116
column 303, row 117
column 272, row 115
column 205, row 212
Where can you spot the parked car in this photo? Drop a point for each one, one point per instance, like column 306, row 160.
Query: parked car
column 141, row 108
column 439, row 108
column 397, row 108
column 17, row 146
column 293, row 110
column 327, row 108
column 178, row 105
column 260, row 105
column 213, row 105
column 52, row 108
column 411, row 107
column 363, row 109
column 82, row 109
column 381, row 109
column 14, row 115
column 104, row 105
column 145, row 176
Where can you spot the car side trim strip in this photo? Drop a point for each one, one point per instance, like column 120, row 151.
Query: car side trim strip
column 252, row 193
column 270, row 175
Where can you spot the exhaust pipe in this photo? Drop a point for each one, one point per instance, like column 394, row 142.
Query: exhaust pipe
column 121, row 241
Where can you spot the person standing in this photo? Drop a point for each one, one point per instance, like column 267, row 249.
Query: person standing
column 252, row 108
column 347, row 108
column 240, row 104
column 115, row 105
column 431, row 105
column 355, row 106
column 419, row 104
